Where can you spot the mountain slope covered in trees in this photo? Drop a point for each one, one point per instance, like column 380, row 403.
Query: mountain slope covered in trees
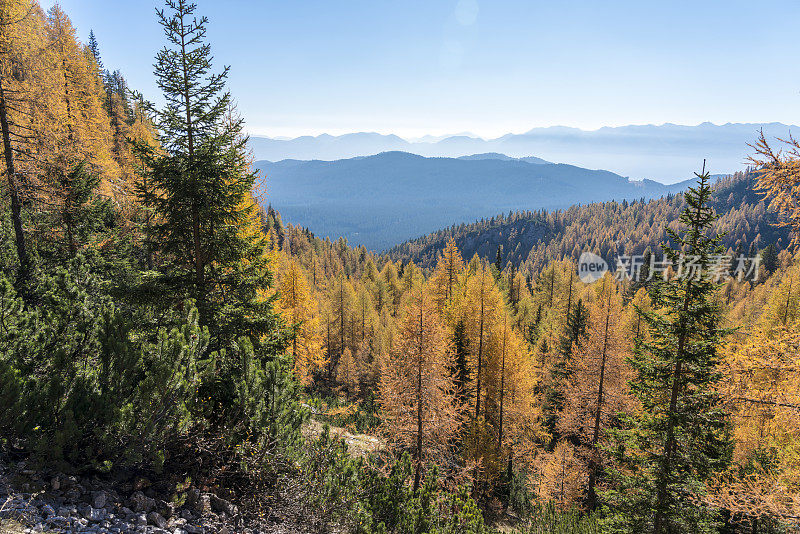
column 166, row 339
column 530, row 239
column 379, row 201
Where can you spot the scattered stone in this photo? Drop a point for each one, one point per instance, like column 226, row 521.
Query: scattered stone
column 93, row 505
column 94, row 515
column 156, row 519
column 142, row 503
column 100, row 499
column 220, row 505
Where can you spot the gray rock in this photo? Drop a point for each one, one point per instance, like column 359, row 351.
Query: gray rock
column 142, row 503
column 167, row 509
column 99, row 499
column 220, row 505
column 94, row 515
column 156, row 519
column 141, row 520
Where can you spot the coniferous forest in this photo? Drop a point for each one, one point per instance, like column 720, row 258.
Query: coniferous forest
column 174, row 357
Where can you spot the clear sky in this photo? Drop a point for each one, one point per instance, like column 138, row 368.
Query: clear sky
column 488, row 67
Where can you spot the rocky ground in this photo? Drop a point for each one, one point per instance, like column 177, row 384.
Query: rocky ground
column 32, row 501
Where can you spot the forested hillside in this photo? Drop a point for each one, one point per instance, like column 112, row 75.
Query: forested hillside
column 528, row 240
column 173, row 357
column 381, row 200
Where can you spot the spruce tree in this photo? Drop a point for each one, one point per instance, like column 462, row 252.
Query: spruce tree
column 460, row 371
column 769, row 258
column 94, row 48
column 574, row 330
column 199, row 188
column 680, row 436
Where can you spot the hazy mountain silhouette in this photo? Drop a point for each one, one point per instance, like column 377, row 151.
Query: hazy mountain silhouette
column 382, row 200
column 667, row 153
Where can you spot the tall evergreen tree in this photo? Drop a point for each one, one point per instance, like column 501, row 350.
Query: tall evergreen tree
column 460, row 371
column 680, row 437
column 94, row 48
column 199, row 187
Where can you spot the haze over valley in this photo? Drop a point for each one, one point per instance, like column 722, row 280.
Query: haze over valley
column 667, row 153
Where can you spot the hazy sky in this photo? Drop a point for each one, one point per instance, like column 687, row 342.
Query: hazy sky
column 489, row 67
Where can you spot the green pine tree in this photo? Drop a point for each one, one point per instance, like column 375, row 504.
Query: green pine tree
column 198, row 189
column 769, row 258
column 574, row 330
column 461, row 373
column 680, row 437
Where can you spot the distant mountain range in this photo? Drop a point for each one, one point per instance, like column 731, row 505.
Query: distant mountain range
column 667, row 153
column 381, row 200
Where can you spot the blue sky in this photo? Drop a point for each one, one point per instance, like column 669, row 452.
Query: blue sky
column 488, row 67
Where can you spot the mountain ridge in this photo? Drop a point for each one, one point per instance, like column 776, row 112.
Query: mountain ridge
column 663, row 153
column 384, row 199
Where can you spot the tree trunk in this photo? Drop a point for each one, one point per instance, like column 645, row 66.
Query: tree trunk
column 16, row 206
column 594, row 463
column 669, row 443
column 419, row 403
column 480, row 358
column 788, row 301
column 502, row 392
column 199, row 267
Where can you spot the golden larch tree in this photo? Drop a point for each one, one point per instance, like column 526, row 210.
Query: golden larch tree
column 416, row 391
column 481, row 310
column 299, row 308
column 447, row 275
column 595, row 390
column 347, row 374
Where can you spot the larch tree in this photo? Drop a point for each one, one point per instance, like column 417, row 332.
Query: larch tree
column 510, row 399
column 341, row 299
column 298, row 306
column 481, row 309
column 560, row 475
column 595, row 390
column 778, row 172
column 347, row 374
column 416, row 391
column 81, row 131
column 21, row 31
column 447, row 275
column 761, row 386
column 783, row 306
